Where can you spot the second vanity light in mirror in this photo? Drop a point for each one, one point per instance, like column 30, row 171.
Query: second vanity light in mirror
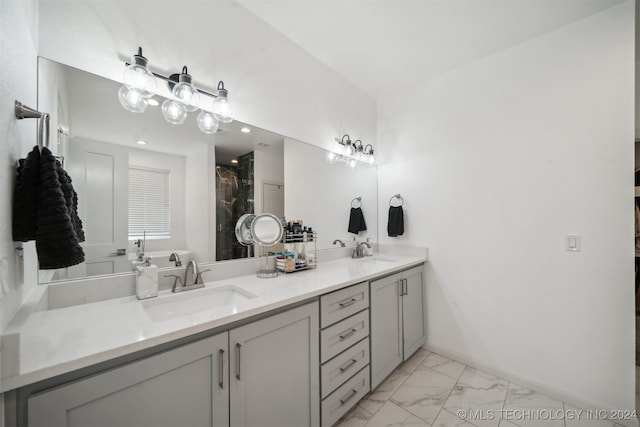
column 351, row 152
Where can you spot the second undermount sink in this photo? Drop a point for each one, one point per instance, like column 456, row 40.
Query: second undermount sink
column 190, row 302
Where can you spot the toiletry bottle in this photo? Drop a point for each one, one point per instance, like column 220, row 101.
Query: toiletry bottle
column 147, row 280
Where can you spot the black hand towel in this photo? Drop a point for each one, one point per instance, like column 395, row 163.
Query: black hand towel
column 395, row 227
column 24, row 197
column 356, row 221
column 57, row 243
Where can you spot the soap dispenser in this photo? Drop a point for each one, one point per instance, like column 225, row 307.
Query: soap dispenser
column 147, row 280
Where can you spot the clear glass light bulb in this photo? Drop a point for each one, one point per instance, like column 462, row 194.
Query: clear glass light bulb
column 221, row 107
column 207, row 122
column 132, row 100
column 138, row 76
column 331, row 157
column 174, row 112
column 222, row 110
column 348, row 150
column 371, row 158
column 187, row 94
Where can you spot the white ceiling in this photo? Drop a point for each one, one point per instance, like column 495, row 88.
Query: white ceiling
column 382, row 45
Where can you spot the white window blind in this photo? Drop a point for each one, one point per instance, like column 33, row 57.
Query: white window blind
column 149, row 203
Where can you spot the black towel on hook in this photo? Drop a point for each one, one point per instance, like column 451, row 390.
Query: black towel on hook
column 57, row 241
column 356, row 221
column 25, row 197
column 395, row 226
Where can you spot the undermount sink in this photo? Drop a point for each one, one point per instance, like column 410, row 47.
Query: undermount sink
column 376, row 259
column 190, row 302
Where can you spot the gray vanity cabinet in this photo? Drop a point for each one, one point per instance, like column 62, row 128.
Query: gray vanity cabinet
column 186, row 386
column 397, row 321
column 274, row 370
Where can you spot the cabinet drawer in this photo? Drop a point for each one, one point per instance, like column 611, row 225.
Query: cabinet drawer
column 343, row 399
column 343, row 335
column 343, row 303
column 343, row 366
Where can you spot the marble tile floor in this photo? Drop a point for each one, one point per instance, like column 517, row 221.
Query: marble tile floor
column 432, row 390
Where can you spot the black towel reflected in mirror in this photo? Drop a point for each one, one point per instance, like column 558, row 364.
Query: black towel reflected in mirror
column 356, row 221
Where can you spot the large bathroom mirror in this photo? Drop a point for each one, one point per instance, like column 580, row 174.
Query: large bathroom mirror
column 147, row 186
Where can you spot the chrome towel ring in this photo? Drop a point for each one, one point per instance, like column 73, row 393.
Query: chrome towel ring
column 396, row 196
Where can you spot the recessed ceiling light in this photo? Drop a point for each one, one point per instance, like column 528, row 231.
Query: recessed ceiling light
column 153, row 102
column 245, row 130
column 141, row 142
column 234, row 161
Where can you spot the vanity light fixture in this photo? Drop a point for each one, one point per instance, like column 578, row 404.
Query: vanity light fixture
column 351, row 152
column 140, row 85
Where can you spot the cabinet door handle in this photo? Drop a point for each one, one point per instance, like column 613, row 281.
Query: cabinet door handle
column 348, row 334
column 221, row 368
column 405, row 287
column 238, row 346
column 347, row 365
column 349, row 396
column 348, row 303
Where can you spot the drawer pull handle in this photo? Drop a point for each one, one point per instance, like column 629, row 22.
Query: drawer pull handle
column 238, row 346
column 348, row 303
column 221, row 369
column 348, row 334
column 348, row 397
column 347, row 365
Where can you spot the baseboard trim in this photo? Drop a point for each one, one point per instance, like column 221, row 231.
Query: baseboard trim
column 527, row 382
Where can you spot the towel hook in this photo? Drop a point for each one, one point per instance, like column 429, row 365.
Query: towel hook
column 24, row 112
column 396, row 196
column 356, row 199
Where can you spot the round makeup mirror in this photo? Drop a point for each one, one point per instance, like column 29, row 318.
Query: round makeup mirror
column 243, row 229
column 263, row 230
column 266, row 229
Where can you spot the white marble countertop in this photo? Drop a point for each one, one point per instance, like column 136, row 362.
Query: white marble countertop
column 41, row 343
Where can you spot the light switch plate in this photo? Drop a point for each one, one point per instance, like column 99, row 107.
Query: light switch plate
column 572, row 242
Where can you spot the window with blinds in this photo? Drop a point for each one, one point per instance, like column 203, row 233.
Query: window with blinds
column 149, row 203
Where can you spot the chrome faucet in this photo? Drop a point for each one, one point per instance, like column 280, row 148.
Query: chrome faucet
column 339, row 241
column 192, row 278
column 359, row 252
column 174, row 257
column 141, row 243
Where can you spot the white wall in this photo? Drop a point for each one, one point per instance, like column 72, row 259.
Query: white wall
column 498, row 161
column 268, row 167
column 273, row 83
column 17, row 82
column 198, row 192
column 313, row 183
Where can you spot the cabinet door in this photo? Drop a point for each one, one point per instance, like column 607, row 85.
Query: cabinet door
column 178, row 387
column 386, row 327
column 274, row 370
column 413, row 313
